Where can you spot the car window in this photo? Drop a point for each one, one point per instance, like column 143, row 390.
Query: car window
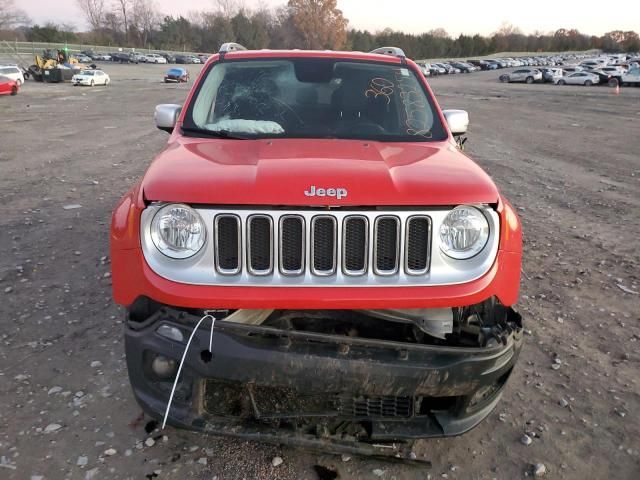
column 315, row 98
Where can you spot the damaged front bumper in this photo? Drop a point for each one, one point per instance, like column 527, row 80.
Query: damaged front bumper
column 345, row 393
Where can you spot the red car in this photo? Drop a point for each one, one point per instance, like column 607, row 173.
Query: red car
column 313, row 260
column 8, row 86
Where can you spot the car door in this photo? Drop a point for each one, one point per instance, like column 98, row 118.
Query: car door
column 518, row 75
column 575, row 78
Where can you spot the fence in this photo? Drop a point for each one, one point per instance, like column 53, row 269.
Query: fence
column 23, row 53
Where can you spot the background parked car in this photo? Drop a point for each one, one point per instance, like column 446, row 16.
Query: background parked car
column 8, row 86
column 13, row 72
column 527, row 75
column 90, row 78
column 551, row 74
column 168, row 57
column 632, row 77
column 82, row 58
column 123, row 57
column 464, row 67
column 444, row 69
column 607, row 78
column 579, row 78
column 424, row 68
column 177, row 75
column 154, row 58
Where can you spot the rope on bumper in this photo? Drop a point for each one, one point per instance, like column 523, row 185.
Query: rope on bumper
column 184, row 356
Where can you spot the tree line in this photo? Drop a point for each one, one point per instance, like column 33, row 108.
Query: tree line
column 307, row 24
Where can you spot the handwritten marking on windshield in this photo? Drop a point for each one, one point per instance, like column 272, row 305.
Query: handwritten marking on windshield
column 380, row 86
column 415, row 108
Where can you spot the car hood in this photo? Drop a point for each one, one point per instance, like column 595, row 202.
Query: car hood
column 279, row 172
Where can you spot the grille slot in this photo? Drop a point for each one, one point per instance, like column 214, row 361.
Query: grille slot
column 323, row 240
column 387, row 246
column 292, row 245
column 355, row 245
column 228, row 244
column 375, row 407
column 417, row 245
column 260, row 244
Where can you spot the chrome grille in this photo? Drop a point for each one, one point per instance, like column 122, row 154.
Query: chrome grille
column 368, row 244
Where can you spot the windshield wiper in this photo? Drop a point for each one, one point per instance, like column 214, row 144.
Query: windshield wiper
column 203, row 132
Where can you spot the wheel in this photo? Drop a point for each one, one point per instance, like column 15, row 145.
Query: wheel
column 92, row 83
column 504, row 78
column 14, row 90
column 613, row 82
column 561, row 82
column 588, row 83
column 529, row 80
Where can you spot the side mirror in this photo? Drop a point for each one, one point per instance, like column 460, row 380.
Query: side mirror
column 458, row 121
column 166, row 116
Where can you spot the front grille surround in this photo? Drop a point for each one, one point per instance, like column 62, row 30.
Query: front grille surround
column 318, row 241
column 407, row 239
column 346, row 254
column 381, row 251
column 252, row 250
column 222, row 257
column 285, row 262
column 204, row 268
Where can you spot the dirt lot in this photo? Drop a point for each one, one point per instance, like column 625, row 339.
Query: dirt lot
column 567, row 157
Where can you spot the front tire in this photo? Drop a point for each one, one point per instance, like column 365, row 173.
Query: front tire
column 529, row 80
column 588, row 83
column 14, row 90
column 561, row 82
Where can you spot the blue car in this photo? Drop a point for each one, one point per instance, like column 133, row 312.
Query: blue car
column 176, row 75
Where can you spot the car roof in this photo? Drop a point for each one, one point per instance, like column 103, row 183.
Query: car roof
column 343, row 55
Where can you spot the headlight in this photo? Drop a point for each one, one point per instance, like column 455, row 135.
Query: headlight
column 178, row 231
column 463, row 233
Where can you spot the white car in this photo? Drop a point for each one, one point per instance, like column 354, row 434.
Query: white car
column 579, row 78
column 91, row 78
column 632, row 77
column 572, row 69
column 155, row 58
column 527, row 75
column 12, row 72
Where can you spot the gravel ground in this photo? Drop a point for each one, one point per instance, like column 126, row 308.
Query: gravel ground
column 567, row 157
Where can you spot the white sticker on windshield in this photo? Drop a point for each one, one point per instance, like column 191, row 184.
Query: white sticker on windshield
column 405, row 72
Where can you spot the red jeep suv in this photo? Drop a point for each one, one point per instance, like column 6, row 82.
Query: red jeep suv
column 313, row 260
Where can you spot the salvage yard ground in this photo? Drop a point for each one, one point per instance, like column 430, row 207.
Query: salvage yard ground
column 567, row 157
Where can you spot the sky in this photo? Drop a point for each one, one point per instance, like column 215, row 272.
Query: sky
column 414, row 16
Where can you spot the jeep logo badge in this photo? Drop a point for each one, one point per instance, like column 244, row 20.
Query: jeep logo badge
column 326, row 192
